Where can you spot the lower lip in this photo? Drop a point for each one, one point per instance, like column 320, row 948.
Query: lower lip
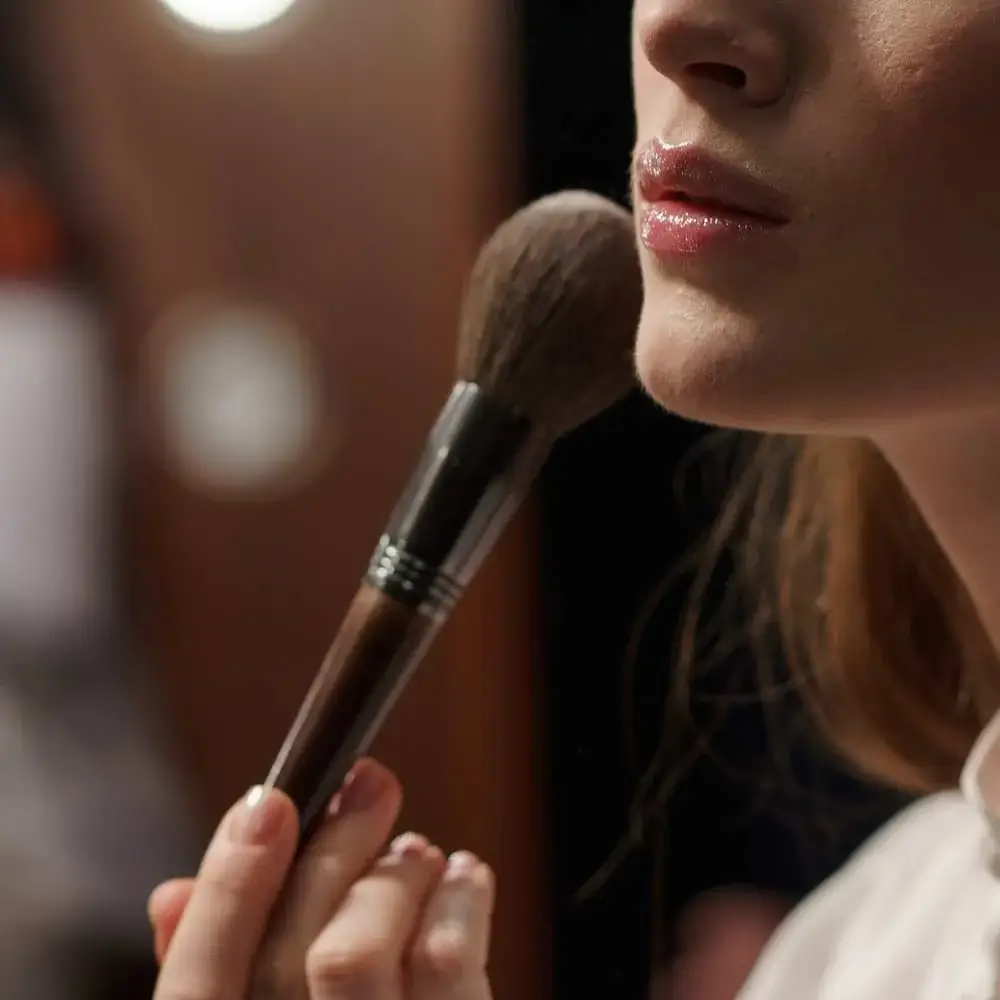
column 680, row 229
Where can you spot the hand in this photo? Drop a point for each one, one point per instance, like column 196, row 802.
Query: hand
column 355, row 921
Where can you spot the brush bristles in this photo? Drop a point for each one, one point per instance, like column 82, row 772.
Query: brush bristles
column 552, row 308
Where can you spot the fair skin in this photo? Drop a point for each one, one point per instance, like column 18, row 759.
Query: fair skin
column 352, row 920
column 870, row 311
column 873, row 312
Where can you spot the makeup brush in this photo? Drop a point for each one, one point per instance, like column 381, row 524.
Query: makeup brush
column 545, row 343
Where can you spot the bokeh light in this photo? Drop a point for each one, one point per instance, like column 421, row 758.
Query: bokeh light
column 229, row 15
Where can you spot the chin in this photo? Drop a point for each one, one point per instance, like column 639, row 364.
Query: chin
column 708, row 366
column 707, row 362
column 845, row 352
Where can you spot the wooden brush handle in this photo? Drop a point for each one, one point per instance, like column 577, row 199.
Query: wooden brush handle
column 378, row 647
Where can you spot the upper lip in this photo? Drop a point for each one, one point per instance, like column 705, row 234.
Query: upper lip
column 665, row 172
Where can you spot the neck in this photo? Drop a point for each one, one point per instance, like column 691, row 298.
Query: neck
column 951, row 468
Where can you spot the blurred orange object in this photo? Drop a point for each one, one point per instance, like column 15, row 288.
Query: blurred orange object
column 32, row 238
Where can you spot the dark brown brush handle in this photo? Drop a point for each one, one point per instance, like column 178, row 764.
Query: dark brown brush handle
column 376, row 650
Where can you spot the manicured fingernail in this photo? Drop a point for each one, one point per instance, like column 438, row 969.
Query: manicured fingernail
column 463, row 897
column 409, row 845
column 363, row 789
column 258, row 819
column 462, row 864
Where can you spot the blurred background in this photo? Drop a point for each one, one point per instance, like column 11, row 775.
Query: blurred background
column 233, row 240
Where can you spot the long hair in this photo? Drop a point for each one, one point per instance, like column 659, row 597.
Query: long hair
column 881, row 635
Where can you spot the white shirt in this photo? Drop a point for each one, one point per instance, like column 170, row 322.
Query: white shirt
column 914, row 916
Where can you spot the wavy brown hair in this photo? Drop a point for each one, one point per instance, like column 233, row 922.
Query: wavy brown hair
column 881, row 636
column 884, row 646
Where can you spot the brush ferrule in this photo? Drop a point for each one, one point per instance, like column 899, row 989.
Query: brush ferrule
column 478, row 461
column 410, row 579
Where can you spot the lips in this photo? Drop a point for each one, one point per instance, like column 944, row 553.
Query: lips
column 686, row 175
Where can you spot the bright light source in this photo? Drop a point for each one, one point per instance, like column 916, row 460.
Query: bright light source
column 229, row 15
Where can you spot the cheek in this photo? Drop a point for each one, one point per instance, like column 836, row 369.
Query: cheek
column 650, row 90
column 922, row 196
column 932, row 107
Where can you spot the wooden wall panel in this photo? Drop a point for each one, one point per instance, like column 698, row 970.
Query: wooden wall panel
column 340, row 171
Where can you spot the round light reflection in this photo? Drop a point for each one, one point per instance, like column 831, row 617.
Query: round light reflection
column 229, row 15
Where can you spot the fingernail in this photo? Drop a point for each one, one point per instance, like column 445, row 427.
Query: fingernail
column 259, row 818
column 462, row 898
column 462, row 863
column 362, row 790
column 409, row 845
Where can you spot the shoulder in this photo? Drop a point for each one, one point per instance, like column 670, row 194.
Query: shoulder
column 912, row 836
column 917, row 862
column 939, row 829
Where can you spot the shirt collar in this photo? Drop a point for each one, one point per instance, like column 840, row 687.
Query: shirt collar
column 981, row 775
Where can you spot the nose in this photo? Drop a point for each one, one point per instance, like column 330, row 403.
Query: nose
column 728, row 49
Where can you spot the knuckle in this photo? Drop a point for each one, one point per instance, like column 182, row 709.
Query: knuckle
column 331, row 966
column 442, row 956
column 231, row 874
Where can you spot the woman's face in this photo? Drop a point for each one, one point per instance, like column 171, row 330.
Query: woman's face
column 818, row 201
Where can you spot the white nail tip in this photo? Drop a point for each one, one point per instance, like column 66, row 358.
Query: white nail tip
column 255, row 796
column 406, row 844
column 462, row 863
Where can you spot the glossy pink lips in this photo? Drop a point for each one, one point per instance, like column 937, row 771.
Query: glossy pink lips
column 691, row 203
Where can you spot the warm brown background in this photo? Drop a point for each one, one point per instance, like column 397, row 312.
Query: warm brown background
column 341, row 171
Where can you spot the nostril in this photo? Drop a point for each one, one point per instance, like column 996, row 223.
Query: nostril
column 721, row 73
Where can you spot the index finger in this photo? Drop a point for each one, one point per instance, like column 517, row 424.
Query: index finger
column 213, row 950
